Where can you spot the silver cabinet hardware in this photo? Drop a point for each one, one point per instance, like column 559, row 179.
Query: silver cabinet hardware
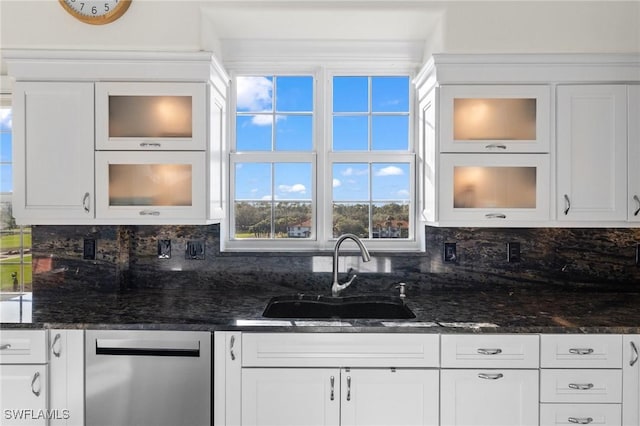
column 231, row 351
column 634, row 354
column 56, row 340
column 86, row 202
column 36, row 378
column 580, row 420
column 580, row 351
column 581, row 386
column 5, row 346
column 490, row 376
column 333, row 381
column 567, row 203
column 348, row 388
column 637, row 200
column 496, row 146
column 484, row 351
column 495, row 216
column 149, row 213
column 150, row 144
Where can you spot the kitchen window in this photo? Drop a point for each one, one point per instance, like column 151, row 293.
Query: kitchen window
column 319, row 154
column 15, row 241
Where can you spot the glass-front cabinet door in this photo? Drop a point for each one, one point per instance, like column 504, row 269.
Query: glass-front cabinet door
column 494, row 188
column 151, row 116
column 162, row 187
column 494, row 118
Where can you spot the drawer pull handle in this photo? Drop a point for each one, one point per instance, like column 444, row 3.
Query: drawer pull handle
column 86, row 202
column 53, row 345
column 581, row 351
column 580, row 420
column 5, row 346
column 495, row 216
column 496, row 146
column 495, row 351
column 348, row 388
column 149, row 213
column 36, row 378
column 490, row 376
column 637, row 200
column 150, row 144
column 567, row 203
column 333, row 381
column 634, row 355
column 581, row 386
column 231, row 351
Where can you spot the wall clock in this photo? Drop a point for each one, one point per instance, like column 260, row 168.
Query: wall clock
column 96, row 12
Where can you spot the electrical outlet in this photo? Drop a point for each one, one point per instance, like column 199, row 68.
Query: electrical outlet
column 513, row 252
column 450, row 252
column 89, row 249
column 637, row 254
column 164, row 249
column 194, row 250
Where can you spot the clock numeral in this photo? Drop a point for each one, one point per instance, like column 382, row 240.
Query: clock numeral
column 81, row 6
column 106, row 7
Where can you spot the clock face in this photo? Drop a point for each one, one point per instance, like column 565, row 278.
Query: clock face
column 96, row 12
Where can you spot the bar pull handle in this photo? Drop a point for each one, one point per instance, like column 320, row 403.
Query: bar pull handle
column 634, row 354
column 496, row 146
column 150, row 144
column 232, row 353
column 36, row 379
column 56, row 340
column 637, row 200
column 485, row 351
column 495, row 216
column 580, row 420
column 490, row 376
column 332, row 379
column 581, row 386
column 348, row 388
column 580, row 351
column 567, row 203
column 149, row 213
column 86, row 202
column 5, row 346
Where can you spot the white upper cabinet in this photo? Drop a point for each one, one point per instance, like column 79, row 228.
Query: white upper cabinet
column 634, row 153
column 494, row 118
column 151, row 116
column 53, row 152
column 592, row 153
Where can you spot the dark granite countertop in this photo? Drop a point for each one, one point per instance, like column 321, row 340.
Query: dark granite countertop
column 470, row 309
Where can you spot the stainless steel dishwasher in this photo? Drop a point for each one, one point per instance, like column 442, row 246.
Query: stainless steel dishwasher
column 141, row 377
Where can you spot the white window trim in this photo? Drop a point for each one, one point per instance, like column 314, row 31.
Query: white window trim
column 321, row 200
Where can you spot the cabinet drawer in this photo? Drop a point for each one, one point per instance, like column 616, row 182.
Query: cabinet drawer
column 580, row 351
column 490, row 351
column 575, row 414
column 339, row 350
column 603, row 386
column 23, row 347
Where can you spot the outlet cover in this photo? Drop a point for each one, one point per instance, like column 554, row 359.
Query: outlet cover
column 164, row 249
column 513, row 252
column 450, row 253
column 89, row 249
column 194, row 250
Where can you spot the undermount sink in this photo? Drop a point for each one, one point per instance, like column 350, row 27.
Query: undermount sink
column 349, row 307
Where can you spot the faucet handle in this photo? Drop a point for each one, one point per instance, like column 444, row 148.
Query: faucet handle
column 401, row 286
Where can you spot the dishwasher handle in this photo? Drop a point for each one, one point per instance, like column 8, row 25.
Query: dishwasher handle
column 136, row 347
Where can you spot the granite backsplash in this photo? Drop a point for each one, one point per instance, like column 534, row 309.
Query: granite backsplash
column 127, row 257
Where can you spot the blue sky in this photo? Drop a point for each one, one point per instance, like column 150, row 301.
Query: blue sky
column 6, row 181
column 275, row 113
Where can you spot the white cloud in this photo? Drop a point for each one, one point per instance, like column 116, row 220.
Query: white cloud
column 337, row 183
column 296, row 188
column 403, row 193
column 350, row 171
column 254, row 93
column 390, row 171
column 262, row 120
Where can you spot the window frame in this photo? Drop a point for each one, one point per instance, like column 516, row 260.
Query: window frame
column 323, row 159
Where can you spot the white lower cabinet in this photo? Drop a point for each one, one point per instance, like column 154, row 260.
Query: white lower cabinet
column 631, row 380
column 580, row 414
column 66, row 374
column 489, row 397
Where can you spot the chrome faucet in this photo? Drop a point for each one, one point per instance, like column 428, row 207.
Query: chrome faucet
column 336, row 287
